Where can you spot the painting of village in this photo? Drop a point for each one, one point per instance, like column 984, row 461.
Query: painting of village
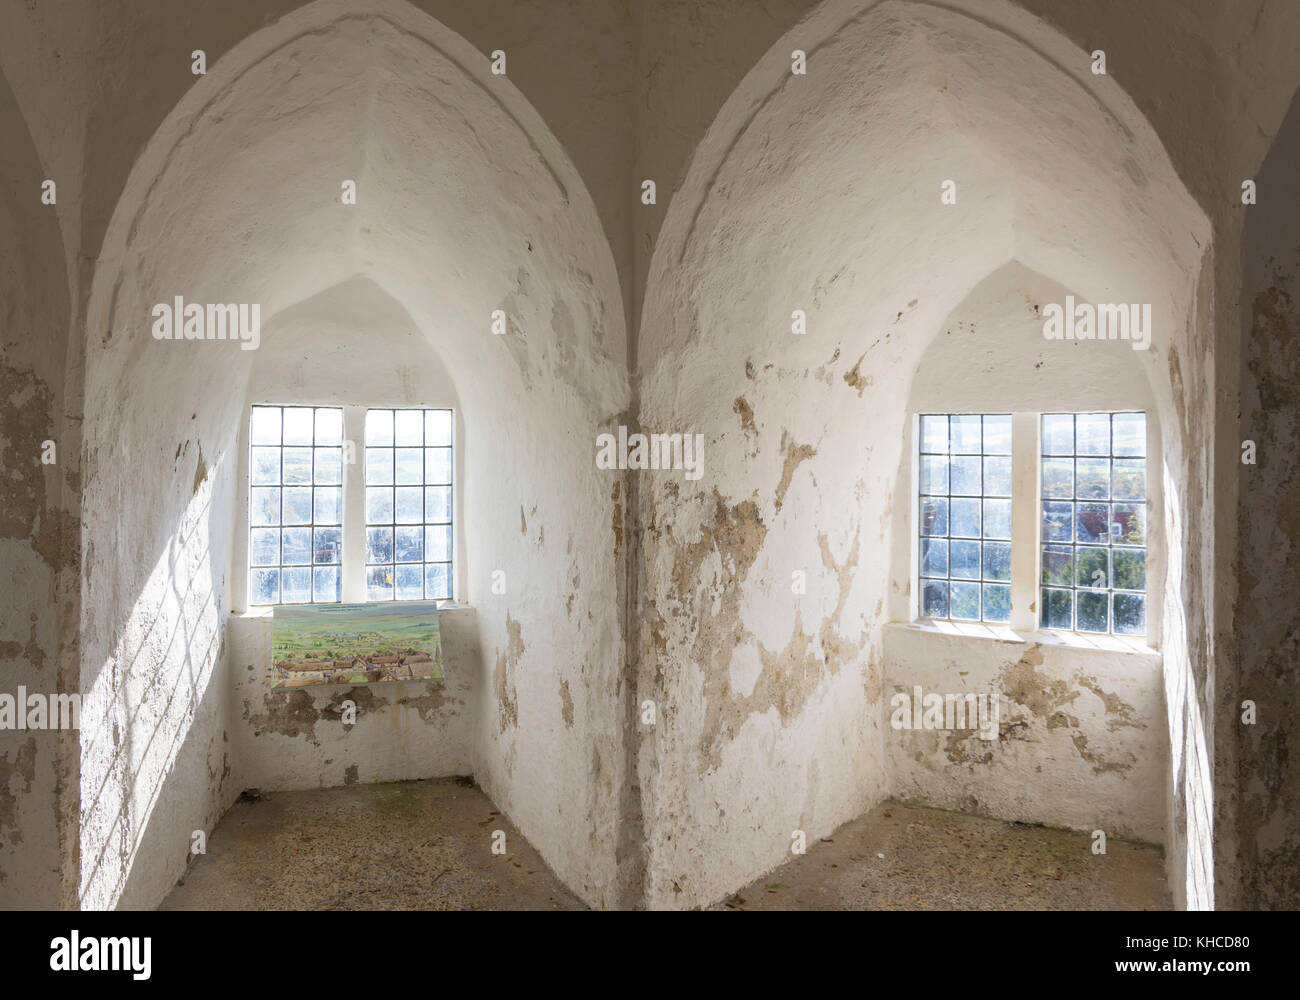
column 355, row 643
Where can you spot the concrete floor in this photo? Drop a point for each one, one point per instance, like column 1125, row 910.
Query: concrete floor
column 937, row 860
column 410, row 845
column 427, row 845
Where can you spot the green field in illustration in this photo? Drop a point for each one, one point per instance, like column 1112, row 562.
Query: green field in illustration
column 355, row 643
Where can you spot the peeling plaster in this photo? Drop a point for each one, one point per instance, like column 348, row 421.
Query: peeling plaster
column 503, row 675
column 704, row 228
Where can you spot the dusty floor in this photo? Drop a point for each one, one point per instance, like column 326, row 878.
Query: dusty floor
column 937, row 860
column 404, row 846
column 427, row 845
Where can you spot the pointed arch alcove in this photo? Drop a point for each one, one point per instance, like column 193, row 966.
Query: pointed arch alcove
column 767, row 584
column 466, row 204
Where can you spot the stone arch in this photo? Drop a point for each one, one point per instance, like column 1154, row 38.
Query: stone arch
column 822, row 193
column 466, row 204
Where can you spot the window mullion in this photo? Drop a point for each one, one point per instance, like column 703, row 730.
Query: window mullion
column 1024, row 521
column 354, row 505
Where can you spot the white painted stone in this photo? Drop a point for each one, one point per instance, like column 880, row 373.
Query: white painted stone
column 823, row 195
column 1077, row 189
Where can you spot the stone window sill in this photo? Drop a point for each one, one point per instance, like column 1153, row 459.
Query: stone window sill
column 265, row 611
column 1112, row 644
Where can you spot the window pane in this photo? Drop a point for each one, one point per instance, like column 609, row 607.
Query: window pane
column 265, row 426
column 299, row 425
column 329, row 426
column 379, row 583
column 297, row 505
column 437, row 503
column 934, row 517
column 297, row 465
column 965, row 558
column 437, row 427
column 408, row 428
column 1058, row 434
column 934, row 598
column 1058, row 565
column 265, row 547
column 934, row 557
column 327, row 584
column 410, row 505
column 329, row 500
column 1058, row 478
column 997, row 434
column 997, row 477
column 379, row 504
column 997, row 602
column 934, row 474
column 965, row 431
column 265, row 467
column 437, row 467
column 1128, row 523
column 964, row 601
column 264, row 507
column 327, row 546
column 997, row 561
column 1092, row 434
column 329, row 466
column 1130, row 569
column 1092, row 568
column 1092, row 478
column 1129, row 479
column 965, row 518
column 1129, row 432
column 437, row 581
column 1091, row 610
column 410, row 583
column 265, row 586
column 1058, row 609
column 410, row 465
column 1092, row 522
column 1130, row 614
column 408, row 544
column 965, row 476
column 997, row 519
column 437, row 543
column 297, row 546
column 379, row 466
column 295, row 583
column 379, row 427
column 379, row 545
column 1058, row 521
column 934, row 435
